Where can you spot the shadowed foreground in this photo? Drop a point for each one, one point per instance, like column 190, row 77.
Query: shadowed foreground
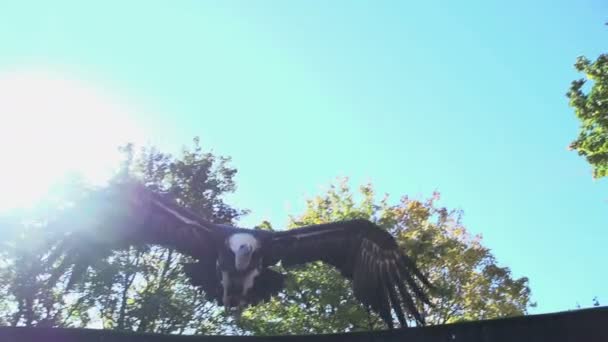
column 587, row 325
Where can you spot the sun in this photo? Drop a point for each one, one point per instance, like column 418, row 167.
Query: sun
column 52, row 123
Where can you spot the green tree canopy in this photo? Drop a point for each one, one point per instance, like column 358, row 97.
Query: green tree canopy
column 591, row 108
column 471, row 284
column 144, row 289
column 139, row 289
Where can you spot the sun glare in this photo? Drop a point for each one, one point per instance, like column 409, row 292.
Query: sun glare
column 52, row 124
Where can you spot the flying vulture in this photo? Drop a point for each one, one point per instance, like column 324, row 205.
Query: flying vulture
column 232, row 264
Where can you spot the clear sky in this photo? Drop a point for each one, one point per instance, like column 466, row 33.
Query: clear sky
column 462, row 97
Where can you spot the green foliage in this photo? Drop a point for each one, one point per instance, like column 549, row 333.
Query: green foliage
column 141, row 288
column 25, row 299
column 591, row 108
column 471, row 284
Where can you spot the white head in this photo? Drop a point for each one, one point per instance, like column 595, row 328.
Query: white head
column 243, row 246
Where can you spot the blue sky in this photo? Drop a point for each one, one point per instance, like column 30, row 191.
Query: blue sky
column 466, row 98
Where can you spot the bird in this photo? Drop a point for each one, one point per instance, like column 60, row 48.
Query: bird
column 233, row 265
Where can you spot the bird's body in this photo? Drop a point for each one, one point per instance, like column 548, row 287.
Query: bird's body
column 232, row 264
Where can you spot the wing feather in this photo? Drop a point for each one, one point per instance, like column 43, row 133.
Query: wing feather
column 128, row 214
column 407, row 298
column 395, row 303
column 382, row 300
column 383, row 277
column 407, row 274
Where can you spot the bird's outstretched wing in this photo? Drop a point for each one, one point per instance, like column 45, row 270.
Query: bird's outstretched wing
column 129, row 214
column 383, row 277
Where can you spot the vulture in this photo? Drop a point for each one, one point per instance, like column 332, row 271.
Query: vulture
column 232, row 265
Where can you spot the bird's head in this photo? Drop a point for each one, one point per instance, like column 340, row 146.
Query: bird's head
column 242, row 253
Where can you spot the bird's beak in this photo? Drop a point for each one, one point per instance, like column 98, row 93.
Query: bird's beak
column 242, row 257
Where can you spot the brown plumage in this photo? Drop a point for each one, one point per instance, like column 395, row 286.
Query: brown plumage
column 232, row 263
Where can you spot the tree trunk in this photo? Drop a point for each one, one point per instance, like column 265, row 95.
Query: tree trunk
column 129, row 278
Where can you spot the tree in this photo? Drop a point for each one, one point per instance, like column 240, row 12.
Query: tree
column 144, row 288
column 25, row 301
column 140, row 289
column 471, row 284
column 591, row 108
